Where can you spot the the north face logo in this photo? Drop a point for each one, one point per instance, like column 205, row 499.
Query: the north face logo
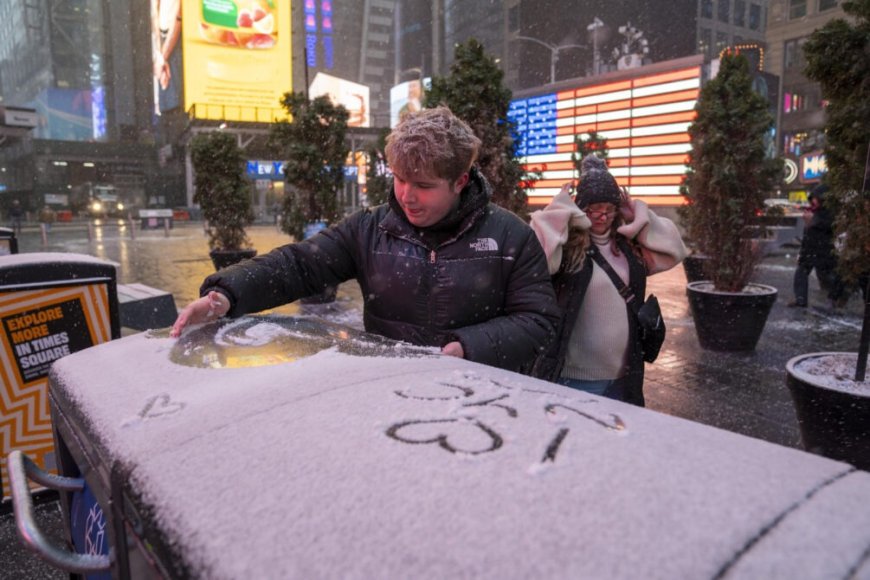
column 484, row 245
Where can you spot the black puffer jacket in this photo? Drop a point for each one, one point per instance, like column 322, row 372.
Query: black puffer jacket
column 817, row 245
column 481, row 280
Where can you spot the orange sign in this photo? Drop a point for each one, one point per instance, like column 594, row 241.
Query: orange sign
column 40, row 326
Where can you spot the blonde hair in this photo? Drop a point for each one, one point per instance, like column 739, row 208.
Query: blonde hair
column 432, row 142
column 574, row 250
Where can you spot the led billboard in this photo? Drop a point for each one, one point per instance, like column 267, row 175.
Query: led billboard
column 405, row 98
column 237, row 58
column 166, row 54
column 644, row 117
column 70, row 114
column 352, row 96
column 813, row 166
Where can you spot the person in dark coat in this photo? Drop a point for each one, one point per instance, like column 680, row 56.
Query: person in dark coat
column 16, row 214
column 598, row 347
column 817, row 252
column 438, row 265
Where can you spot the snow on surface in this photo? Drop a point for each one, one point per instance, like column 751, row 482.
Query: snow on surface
column 831, row 370
column 341, row 465
column 751, row 288
column 49, row 257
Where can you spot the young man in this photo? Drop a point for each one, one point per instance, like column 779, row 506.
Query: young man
column 438, row 265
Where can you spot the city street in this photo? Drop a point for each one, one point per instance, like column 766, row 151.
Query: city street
column 744, row 393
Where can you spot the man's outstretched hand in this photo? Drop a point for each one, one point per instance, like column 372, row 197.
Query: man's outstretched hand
column 205, row 309
column 453, row 349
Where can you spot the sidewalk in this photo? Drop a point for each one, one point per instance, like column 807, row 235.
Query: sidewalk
column 745, row 392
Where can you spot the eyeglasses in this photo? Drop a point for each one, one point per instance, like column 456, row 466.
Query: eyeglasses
column 595, row 214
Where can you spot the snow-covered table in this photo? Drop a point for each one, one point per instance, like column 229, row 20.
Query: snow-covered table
column 370, row 460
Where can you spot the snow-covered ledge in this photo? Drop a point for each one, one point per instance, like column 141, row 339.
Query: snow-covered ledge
column 372, row 463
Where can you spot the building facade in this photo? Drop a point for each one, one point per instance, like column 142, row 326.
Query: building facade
column 73, row 62
column 800, row 115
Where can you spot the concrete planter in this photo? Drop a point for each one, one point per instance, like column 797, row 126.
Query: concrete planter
column 730, row 321
column 833, row 420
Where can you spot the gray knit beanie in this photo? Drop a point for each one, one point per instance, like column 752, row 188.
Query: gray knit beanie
column 596, row 184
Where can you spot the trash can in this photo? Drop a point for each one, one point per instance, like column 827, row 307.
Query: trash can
column 8, row 242
column 51, row 305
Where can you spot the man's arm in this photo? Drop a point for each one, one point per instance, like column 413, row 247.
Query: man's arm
column 530, row 314
column 283, row 275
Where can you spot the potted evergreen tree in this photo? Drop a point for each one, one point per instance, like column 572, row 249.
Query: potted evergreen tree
column 315, row 152
column 474, row 91
column 830, row 389
column 378, row 181
column 222, row 193
column 728, row 178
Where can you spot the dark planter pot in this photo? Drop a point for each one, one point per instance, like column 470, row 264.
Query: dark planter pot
column 224, row 258
column 693, row 265
column 833, row 422
column 729, row 321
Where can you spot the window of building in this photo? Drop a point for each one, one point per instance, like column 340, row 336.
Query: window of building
column 721, row 41
column 740, row 12
column 724, row 10
column 793, row 57
column 793, row 102
column 797, row 9
column 755, row 16
column 705, row 41
column 707, row 8
column 793, row 143
column 514, row 18
column 827, row 4
column 803, row 98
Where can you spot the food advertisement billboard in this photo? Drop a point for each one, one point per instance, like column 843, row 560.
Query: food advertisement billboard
column 643, row 115
column 237, row 58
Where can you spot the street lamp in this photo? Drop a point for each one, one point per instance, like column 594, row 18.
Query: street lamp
column 554, row 52
column 598, row 31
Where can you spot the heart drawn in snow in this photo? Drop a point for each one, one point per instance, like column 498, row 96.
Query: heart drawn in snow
column 453, row 435
column 159, row 406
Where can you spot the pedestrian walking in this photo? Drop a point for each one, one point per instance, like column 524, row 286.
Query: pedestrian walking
column 438, row 264
column 602, row 234
column 16, row 215
column 817, row 253
column 47, row 217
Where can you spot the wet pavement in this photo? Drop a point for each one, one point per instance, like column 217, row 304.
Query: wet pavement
column 741, row 392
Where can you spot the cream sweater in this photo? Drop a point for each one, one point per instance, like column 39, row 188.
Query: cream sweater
column 598, row 344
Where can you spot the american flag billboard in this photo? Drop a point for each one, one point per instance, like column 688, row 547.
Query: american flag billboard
column 644, row 117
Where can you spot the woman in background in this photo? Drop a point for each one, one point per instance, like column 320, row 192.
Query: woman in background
column 598, row 348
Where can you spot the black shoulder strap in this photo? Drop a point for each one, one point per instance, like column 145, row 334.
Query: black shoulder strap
column 624, row 290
